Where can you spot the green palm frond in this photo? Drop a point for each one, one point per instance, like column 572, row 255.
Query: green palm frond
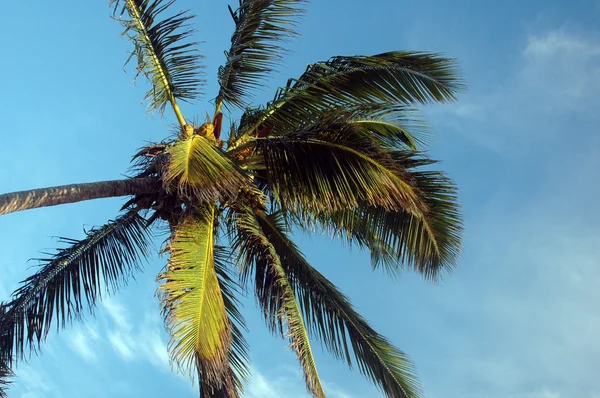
column 330, row 316
column 200, row 170
column 169, row 62
column 403, row 78
column 353, row 177
column 70, row 281
column 328, row 167
column 395, row 126
column 385, row 128
column 259, row 25
column 429, row 242
column 194, row 305
column 351, row 227
column 238, row 351
column 390, row 124
column 275, row 293
column 387, row 124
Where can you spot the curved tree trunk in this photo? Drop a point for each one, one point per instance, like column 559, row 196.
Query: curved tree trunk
column 43, row 197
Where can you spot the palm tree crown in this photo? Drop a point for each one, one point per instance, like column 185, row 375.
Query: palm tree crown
column 338, row 149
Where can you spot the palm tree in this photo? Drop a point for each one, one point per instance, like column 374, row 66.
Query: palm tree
column 338, row 149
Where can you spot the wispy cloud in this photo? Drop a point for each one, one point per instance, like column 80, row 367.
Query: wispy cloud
column 532, row 312
column 135, row 339
column 151, row 342
column 560, row 70
column 335, row 391
column 81, row 340
column 521, row 319
column 36, row 383
column 121, row 337
column 556, row 76
column 285, row 383
column 140, row 342
column 261, row 387
column 117, row 313
column 123, row 343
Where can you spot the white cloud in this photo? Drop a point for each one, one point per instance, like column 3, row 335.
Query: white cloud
column 334, row 391
column 81, row 341
column 142, row 342
column 260, row 387
column 122, row 343
column 559, row 42
column 545, row 394
column 145, row 342
column 556, row 319
column 561, row 70
column 530, row 303
column 556, row 76
column 121, row 338
column 36, row 383
column 529, row 297
column 285, row 383
column 536, row 393
column 117, row 313
column 151, row 343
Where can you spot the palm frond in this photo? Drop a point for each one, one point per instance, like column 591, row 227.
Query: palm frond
column 239, row 373
column 198, row 169
column 396, row 126
column 163, row 56
column 194, row 306
column 387, row 124
column 385, row 128
column 404, row 78
column 275, row 293
column 259, row 25
column 430, row 242
column 390, row 124
column 70, row 281
column 328, row 167
column 361, row 184
column 330, row 316
column 5, row 377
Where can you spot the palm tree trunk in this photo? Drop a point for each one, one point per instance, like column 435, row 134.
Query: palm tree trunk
column 43, row 197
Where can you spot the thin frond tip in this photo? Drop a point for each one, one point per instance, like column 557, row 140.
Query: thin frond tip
column 164, row 55
column 259, row 26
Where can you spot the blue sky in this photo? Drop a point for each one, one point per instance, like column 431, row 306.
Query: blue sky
column 517, row 319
